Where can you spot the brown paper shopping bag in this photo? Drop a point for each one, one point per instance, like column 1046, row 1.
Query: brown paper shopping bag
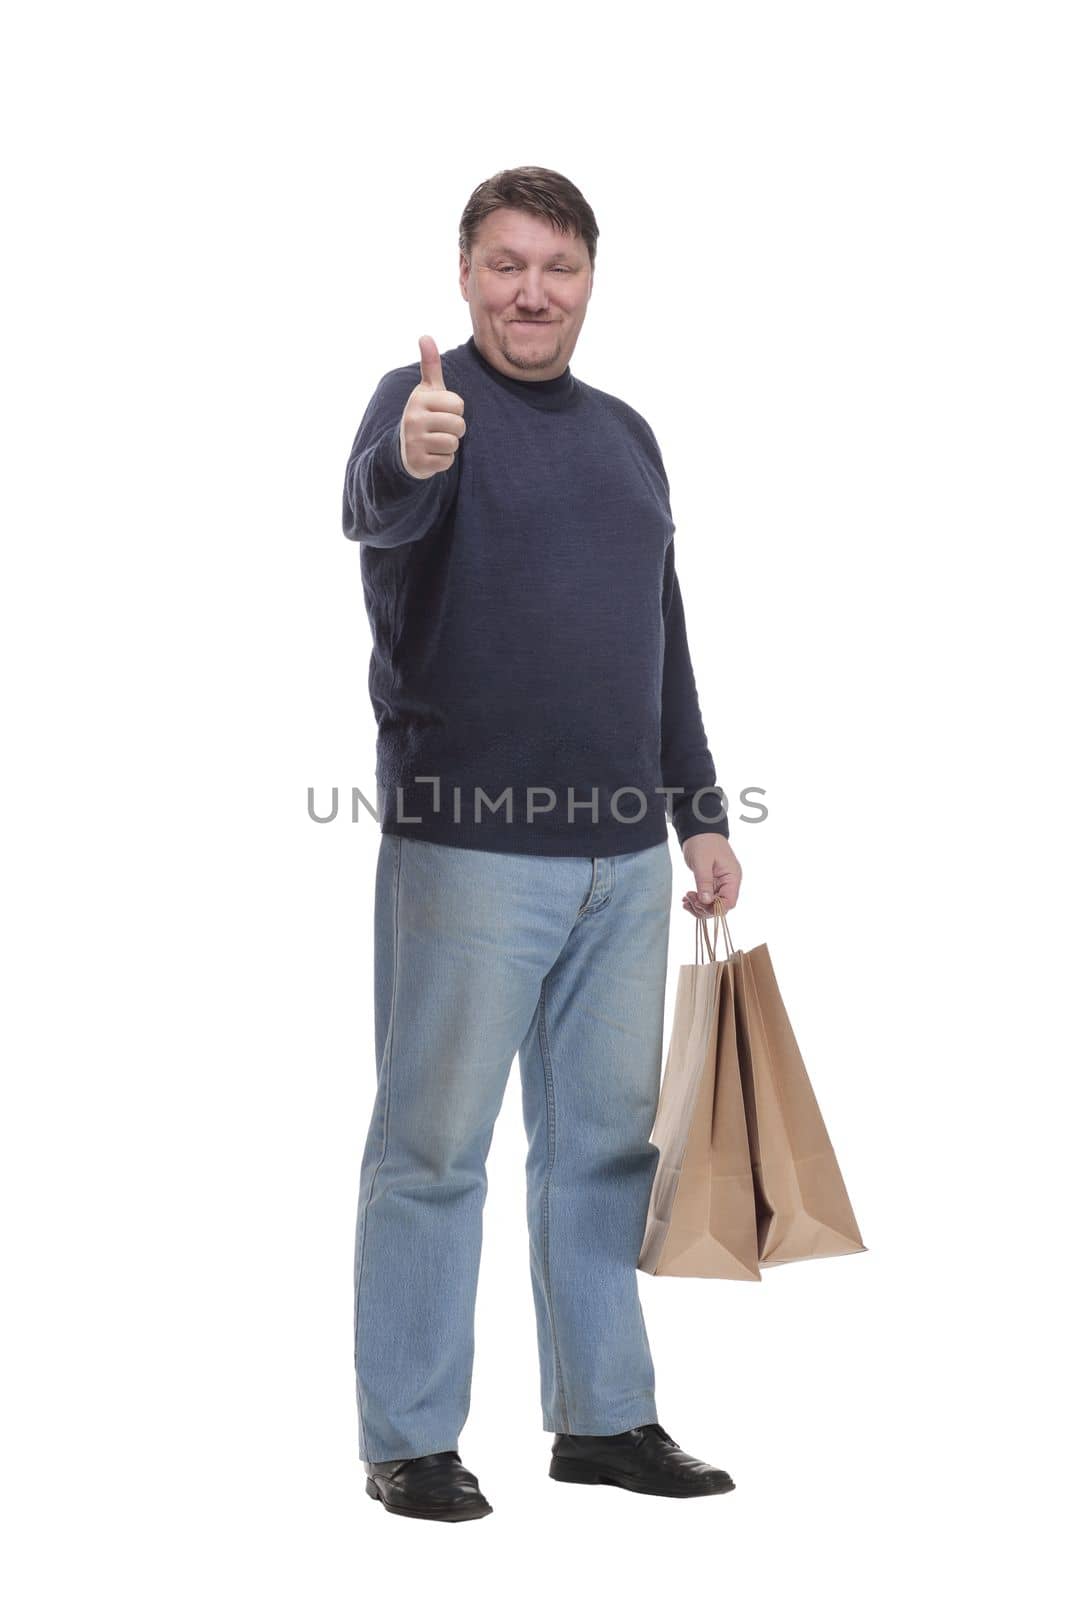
column 701, row 1217
column 802, row 1207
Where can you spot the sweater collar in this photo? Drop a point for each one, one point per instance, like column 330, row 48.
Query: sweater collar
column 551, row 394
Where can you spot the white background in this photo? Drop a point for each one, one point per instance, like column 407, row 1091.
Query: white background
column 830, row 274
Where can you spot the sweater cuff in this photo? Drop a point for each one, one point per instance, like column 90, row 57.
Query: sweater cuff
column 399, row 476
column 687, row 823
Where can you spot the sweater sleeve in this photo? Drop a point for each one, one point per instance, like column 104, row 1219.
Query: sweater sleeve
column 383, row 504
column 685, row 760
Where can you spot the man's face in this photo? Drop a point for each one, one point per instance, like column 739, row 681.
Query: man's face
column 528, row 287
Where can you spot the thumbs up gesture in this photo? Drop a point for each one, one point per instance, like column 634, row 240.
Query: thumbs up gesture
column 432, row 424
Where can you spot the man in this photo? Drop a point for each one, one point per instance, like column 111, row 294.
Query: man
column 535, row 701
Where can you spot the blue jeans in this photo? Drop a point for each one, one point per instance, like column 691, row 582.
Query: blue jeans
column 479, row 954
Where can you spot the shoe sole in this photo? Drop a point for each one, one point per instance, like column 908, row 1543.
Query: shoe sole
column 567, row 1470
column 428, row 1513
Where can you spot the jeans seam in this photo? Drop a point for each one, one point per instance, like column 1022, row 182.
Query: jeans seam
column 592, row 891
column 387, row 1071
column 588, row 908
column 550, row 1135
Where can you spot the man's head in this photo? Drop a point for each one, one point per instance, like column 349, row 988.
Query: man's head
column 527, row 242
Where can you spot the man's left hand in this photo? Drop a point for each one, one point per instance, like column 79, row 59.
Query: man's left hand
column 717, row 872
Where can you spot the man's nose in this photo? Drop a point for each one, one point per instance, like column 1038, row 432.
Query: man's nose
column 532, row 290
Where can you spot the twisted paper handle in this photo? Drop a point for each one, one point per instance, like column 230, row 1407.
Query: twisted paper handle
column 719, row 910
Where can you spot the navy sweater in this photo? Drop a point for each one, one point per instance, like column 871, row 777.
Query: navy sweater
column 530, row 662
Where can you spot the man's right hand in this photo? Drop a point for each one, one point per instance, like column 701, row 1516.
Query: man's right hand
column 432, row 424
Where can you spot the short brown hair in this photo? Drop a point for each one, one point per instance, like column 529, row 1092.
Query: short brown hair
column 541, row 192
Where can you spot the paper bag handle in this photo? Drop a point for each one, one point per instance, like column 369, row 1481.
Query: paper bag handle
column 719, row 911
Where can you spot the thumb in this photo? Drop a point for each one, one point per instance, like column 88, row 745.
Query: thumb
column 430, row 363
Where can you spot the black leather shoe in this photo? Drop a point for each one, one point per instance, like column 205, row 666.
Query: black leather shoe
column 437, row 1486
column 645, row 1459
